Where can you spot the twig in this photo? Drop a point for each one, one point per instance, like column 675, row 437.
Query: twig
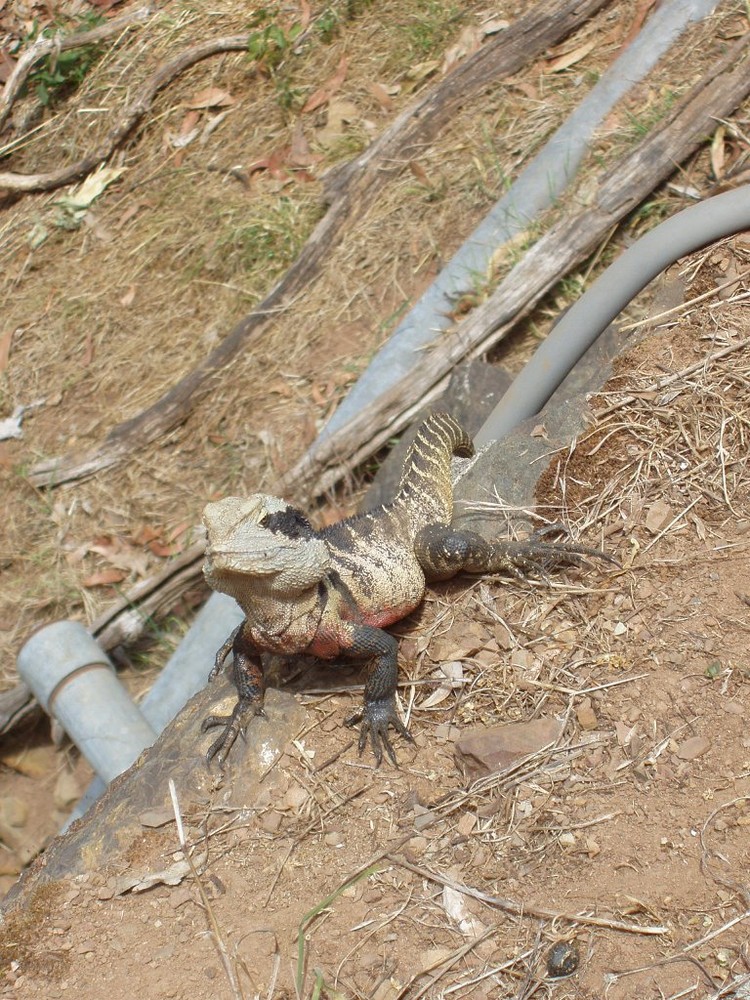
column 675, row 377
column 215, row 929
column 675, row 519
column 684, row 306
column 719, row 930
column 521, row 909
column 443, row 965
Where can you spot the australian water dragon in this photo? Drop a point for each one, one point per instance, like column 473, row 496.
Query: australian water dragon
column 332, row 592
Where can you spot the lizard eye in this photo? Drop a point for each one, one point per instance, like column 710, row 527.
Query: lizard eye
column 264, row 521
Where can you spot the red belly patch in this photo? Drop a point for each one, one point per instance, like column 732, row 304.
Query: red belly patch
column 387, row 616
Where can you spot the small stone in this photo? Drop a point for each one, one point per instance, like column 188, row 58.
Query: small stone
column 567, row 839
column 10, row 864
column 562, row 959
column 13, row 816
column 295, row 798
column 592, row 847
column 37, row 762
column 154, row 818
column 271, row 821
column 692, row 748
column 334, row 839
column 423, row 820
column 466, row 824
column 487, row 750
column 657, row 515
column 734, row 708
column 66, row 790
column 586, row 715
column 13, row 811
column 180, row 896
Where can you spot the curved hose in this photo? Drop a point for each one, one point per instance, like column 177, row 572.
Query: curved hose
column 685, row 232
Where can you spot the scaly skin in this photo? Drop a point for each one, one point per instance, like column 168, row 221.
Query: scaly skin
column 332, row 592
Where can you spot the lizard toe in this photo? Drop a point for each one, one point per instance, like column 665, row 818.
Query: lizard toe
column 376, row 718
column 234, row 725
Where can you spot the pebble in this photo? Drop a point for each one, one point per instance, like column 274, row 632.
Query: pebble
column 13, row 815
column 66, row 790
column 34, row 763
column 586, row 715
column 693, row 747
column 562, row 959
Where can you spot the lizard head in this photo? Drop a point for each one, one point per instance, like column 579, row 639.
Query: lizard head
column 261, row 543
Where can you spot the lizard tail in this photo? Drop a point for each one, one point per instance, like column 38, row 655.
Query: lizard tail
column 426, row 488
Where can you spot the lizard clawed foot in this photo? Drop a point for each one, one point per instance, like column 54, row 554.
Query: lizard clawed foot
column 234, row 726
column 537, row 555
column 376, row 716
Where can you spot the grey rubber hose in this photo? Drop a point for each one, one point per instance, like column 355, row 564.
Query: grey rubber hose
column 689, row 230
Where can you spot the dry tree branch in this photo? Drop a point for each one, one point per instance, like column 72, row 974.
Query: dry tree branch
column 350, row 191
column 521, row 909
column 45, row 46
column 128, row 119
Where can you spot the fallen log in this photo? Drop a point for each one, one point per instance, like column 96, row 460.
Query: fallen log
column 350, row 191
column 566, row 244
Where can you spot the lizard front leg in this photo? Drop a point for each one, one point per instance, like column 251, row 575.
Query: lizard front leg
column 379, row 709
column 247, row 670
column 444, row 551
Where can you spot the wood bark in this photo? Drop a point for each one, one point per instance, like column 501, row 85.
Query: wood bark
column 350, row 190
column 569, row 242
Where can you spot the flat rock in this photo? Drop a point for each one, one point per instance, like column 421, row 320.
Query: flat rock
column 486, row 750
column 692, row 748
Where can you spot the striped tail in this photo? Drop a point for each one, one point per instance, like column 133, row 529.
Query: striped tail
column 426, row 490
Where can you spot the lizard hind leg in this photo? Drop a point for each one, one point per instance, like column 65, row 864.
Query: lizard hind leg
column 444, row 551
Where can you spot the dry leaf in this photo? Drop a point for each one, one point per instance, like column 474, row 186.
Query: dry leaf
column 494, row 25
column 420, row 71
column 7, row 65
column 569, row 59
column 88, row 350
column 469, row 41
column 718, row 157
column 340, row 113
column 178, row 530
column 694, row 746
column 381, row 95
column 6, row 340
column 299, row 151
column 210, row 97
column 420, row 173
column 120, row 554
column 145, row 534
column 104, row 578
column 325, row 93
column 306, row 14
